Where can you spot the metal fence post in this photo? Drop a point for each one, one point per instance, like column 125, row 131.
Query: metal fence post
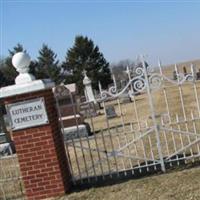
column 152, row 109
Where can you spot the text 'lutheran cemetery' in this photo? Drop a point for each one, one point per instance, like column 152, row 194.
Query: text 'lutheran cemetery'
column 27, row 113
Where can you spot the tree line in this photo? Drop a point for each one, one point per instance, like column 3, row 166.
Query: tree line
column 83, row 55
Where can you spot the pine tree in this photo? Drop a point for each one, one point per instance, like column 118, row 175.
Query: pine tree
column 3, row 81
column 47, row 65
column 7, row 69
column 84, row 55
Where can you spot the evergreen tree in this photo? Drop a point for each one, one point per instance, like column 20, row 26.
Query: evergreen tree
column 7, row 69
column 84, row 55
column 3, row 81
column 47, row 65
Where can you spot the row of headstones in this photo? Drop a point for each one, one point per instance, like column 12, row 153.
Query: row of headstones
column 197, row 74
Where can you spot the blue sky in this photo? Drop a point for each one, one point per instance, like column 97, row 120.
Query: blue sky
column 122, row 29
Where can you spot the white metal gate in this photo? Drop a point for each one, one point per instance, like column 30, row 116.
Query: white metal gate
column 159, row 128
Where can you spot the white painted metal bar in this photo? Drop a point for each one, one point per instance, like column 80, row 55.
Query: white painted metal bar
column 140, row 137
column 91, row 118
column 156, row 126
column 183, row 149
column 195, row 90
column 167, row 106
column 187, row 158
column 129, row 77
column 110, row 137
column 183, row 121
column 95, row 139
column 135, row 147
column 124, row 132
column 195, row 130
column 180, row 135
column 183, row 106
column 122, row 160
column 92, row 149
column 76, row 158
column 131, row 133
column 62, row 130
column 165, row 138
column 98, row 136
column 92, row 166
column 150, row 144
column 179, row 131
column 108, row 128
column 90, row 152
column 80, row 139
column 135, row 108
column 139, row 128
column 104, row 145
column 197, row 103
column 137, row 158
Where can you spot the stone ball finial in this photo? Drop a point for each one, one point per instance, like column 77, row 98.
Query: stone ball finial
column 21, row 62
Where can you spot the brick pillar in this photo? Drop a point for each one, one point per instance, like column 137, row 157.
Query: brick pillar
column 41, row 152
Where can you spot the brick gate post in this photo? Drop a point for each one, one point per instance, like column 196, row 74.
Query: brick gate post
column 37, row 136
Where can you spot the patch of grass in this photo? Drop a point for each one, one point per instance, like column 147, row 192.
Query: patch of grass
column 175, row 185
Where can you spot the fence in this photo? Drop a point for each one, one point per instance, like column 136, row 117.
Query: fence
column 158, row 129
column 11, row 186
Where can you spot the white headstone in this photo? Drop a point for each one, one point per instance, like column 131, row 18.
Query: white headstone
column 88, row 89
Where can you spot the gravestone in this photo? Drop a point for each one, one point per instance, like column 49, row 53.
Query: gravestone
column 174, row 75
column 110, row 112
column 74, row 132
column 5, row 149
column 2, row 138
column 198, row 75
column 88, row 89
column 125, row 98
column 88, row 109
column 184, row 71
column 72, row 121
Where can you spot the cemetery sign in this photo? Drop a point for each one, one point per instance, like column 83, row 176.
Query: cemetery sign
column 27, row 114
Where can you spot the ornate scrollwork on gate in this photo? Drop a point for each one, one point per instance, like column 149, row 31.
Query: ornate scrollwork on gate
column 181, row 78
column 155, row 81
column 144, row 76
column 139, row 71
column 139, row 84
column 135, row 85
